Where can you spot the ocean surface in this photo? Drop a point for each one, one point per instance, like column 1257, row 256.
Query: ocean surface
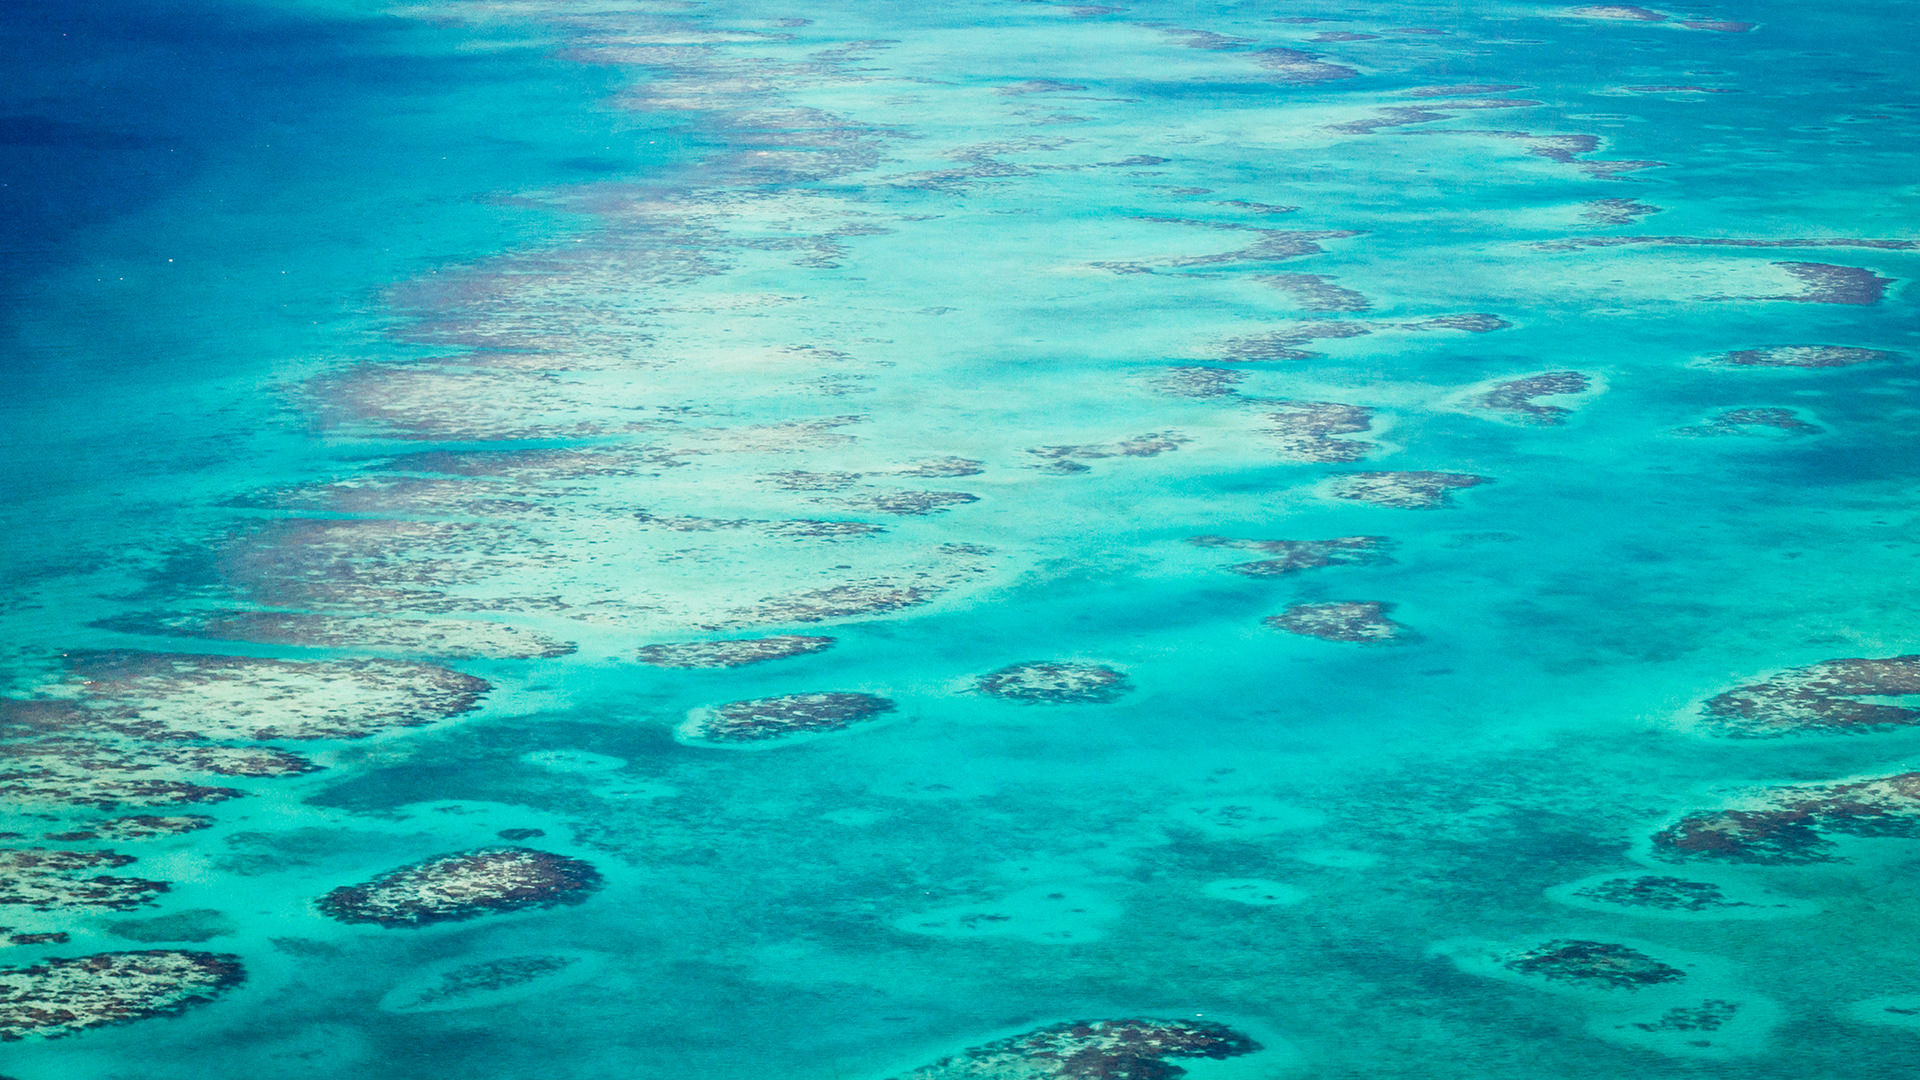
column 697, row 538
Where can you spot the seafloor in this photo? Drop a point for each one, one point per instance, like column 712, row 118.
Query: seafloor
column 696, row 538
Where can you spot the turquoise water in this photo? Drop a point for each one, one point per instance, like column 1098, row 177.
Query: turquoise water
column 361, row 344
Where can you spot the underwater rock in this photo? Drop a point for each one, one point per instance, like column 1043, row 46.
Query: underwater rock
column 1819, row 698
column 62, row 996
column 1517, row 396
column 1318, row 293
column 1061, row 459
column 1593, row 963
column 1198, row 382
column 1055, row 683
column 1787, row 825
column 735, row 653
column 1807, row 356
column 1825, row 283
column 1308, row 430
column 1283, row 344
column 1422, row 490
column 1132, row 1049
column 163, row 696
column 1292, row 556
column 1746, row 421
column 945, row 467
column 1347, row 620
column 783, row 717
column 1615, row 211
column 464, row 885
column 47, row 879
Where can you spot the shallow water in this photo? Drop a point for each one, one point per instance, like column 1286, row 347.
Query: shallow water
column 381, row 348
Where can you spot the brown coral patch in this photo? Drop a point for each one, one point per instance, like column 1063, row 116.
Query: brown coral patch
column 1807, row 356
column 1132, row 1049
column 1292, row 556
column 1822, row 698
column 62, row 996
column 462, row 886
column 783, row 717
column 1055, row 683
column 1360, row 621
column 1747, row 421
column 1516, row 396
column 734, row 653
column 1598, row 963
column 1419, row 490
column 1310, row 430
column 1789, row 825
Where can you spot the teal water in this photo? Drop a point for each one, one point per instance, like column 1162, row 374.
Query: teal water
column 515, row 337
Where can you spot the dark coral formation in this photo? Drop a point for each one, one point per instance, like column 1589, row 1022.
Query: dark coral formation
column 1597, row 963
column 1710, row 1015
column 837, row 602
column 1659, row 892
column 1825, row 283
column 1301, row 68
column 62, row 996
column 1420, row 490
column 1820, row 698
column 1788, row 825
column 1310, row 430
column 733, row 653
column 1284, row 344
column 464, row 885
column 1318, row 292
column 1576, row 243
column 1132, row 1049
column 1474, row 322
column 1066, row 459
column 1620, row 12
column 788, row 715
column 1363, row 621
column 945, row 467
column 487, row 976
column 912, row 503
column 1196, row 381
column 1807, row 356
column 1747, row 421
column 449, row 638
column 1056, row 683
column 1292, row 556
column 1517, row 396
column 1616, row 211
column 47, row 879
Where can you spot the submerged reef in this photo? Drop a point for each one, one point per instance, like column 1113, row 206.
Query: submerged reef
column 464, row 885
column 1593, row 963
column 1807, row 356
column 1820, row 698
column 1658, row 892
column 62, row 996
column 1615, row 211
column 49, row 879
column 1748, row 421
column 1318, row 292
column 1516, row 396
column 1062, row 459
column 1309, row 430
column 1825, row 283
column 1134, row 1049
column 1055, row 683
column 1789, row 825
column 1345, row 620
column 735, row 653
column 450, row 638
column 1421, row 490
column 1292, row 556
column 1195, row 381
column 164, row 696
column 783, row 717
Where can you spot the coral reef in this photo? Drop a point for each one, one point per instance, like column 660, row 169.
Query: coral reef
column 1309, row 430
column 734, row 653
column 1420, row 490
column 783, row 717
column 1659, row 892
column 1516, row 396
column 1062, row 459
column 1807, row 356
column 1318, row 293
column 62, row 996
column 1055, row 683
column 1820, row 698
column 1346, row 620
column 1788, row 825
column 47, row 879
column 1198, row 382
column 464, row 885
column 1132, row 1049
column 1596, row 963
column 1615, row 211
column 1747, row 421
column 1292, row 556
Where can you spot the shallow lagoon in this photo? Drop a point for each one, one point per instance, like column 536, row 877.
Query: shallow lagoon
column 940, row 361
